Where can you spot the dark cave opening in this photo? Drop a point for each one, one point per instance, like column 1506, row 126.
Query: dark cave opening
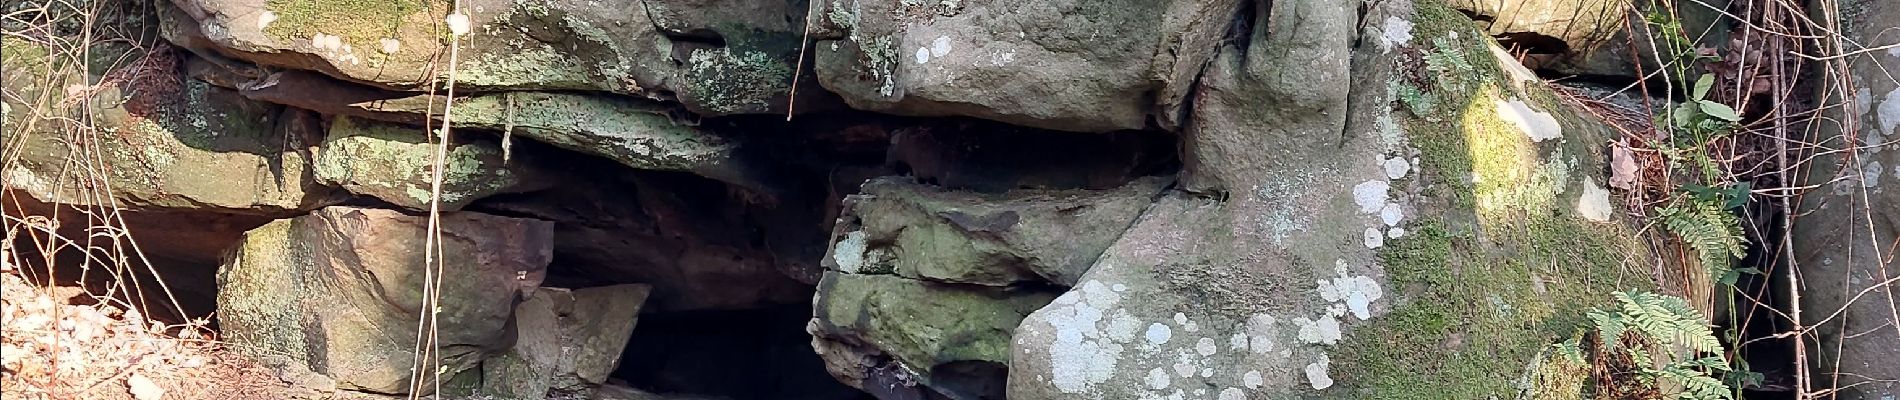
column 733, row 354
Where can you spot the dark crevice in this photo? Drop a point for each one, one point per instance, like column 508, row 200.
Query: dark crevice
column 1532, row 43
column 740, row 355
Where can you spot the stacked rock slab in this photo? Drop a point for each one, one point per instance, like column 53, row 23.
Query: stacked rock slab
column 925, row 284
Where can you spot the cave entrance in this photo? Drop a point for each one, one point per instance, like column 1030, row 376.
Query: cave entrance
column 731, row 354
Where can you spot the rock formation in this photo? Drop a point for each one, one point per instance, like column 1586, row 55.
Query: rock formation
column 1039, row 199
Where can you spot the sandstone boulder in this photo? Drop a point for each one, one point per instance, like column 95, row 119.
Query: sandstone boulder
column 565, row 340
column 395, row 163
column 888, row 334
column 340, row 290
column 157, row 139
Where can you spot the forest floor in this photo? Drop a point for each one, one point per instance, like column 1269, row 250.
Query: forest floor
column 59, row 342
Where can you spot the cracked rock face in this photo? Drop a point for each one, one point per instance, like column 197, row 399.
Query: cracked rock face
column 1861, row 193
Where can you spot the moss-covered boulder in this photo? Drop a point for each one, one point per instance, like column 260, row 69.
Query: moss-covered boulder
column 1331, row 240
column 340, row 291
column 395, row 163
column 889, row 335
column 152, row 140
column 1074, row 66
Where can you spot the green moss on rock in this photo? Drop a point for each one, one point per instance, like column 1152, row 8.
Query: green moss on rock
column 355, row 21
column 925, row 324
column 1499, row 266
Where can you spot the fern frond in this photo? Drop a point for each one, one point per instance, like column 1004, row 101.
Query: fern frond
column 1713, row 232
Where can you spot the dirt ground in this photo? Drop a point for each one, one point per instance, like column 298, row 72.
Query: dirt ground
column 62, row 343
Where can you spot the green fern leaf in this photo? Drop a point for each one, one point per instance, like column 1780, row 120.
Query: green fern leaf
column 1710, row 230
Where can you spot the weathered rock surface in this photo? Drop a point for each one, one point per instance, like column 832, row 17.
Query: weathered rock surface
column 927, row 233
column 565, row 340
column 1844, row 241
column 1074, row 66
column 161, row 142
column 1313, row 267
column 878, row 330
column 340, row 290
column 638, row 133
column 716, row 59
column 396, row 163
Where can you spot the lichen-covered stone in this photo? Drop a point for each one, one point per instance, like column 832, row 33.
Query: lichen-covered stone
column 340, row 290
column 396, row 163
column 638, row 133
column 1025, row 236
column 157, row 143
column 1844, row 237
column 953, row 339
column 1329, row 263
column 1075, row 66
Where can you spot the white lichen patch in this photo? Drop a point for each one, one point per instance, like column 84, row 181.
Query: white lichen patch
column 1396, row 32
column 1392, row 214
column 1370, row 195
column 940, row 47
column 1395, row 232
column 1185, row 364
column 1356, row 292
column 1231, row 394
column 265, row 18
column 1594, row 204
column 1889, row 112
column 1002, row 58
column 1158, row 334
column 1158, row 379
column 1206, row 347
column 1395, row 167
column 923, row 55
column 1870, row 173
column 1323, row 331
column 1122, row 328
column 391, row 45
column 1085, row 351
column 1373, row 238
column 1316, row 373
column 1537, row 125
column 848, row 254
column 325, row 41
column 1252, row 379
column 1260, row 333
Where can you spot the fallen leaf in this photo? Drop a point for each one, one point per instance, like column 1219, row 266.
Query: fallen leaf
column 1622, row 166
column 143, row 388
